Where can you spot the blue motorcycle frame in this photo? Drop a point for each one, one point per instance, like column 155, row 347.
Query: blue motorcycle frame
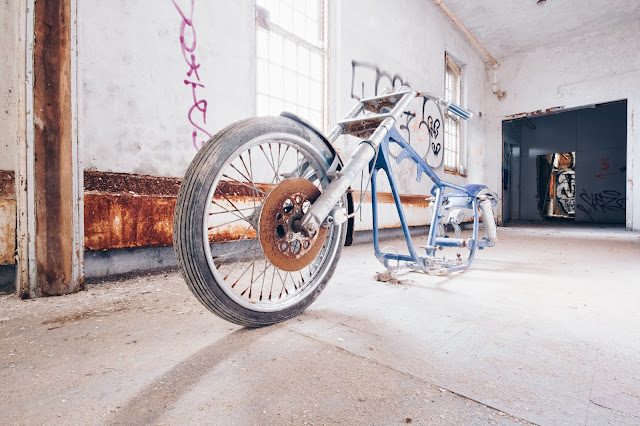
column 445, row 197
column 304, row 203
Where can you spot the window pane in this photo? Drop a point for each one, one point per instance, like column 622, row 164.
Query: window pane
column 275, row 106
column 262, row 43
column 299, row 24
column 290, row 55
column 316, row 119
column 286, row 18
column 262, row 105
column 303, row 91
column 315, row 101
column 312, row 31
column 262, row 72
column 305, row 113
column 274, row 11
column 299, row 5
column 313, row 10
column 290, row 59
column 291, row 107
column 316, row 67
column 275, row 80
column 290, row 87
column 276, row 49
column 303, row 60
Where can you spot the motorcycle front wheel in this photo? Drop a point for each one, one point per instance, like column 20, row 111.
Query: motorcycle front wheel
column 233, row 232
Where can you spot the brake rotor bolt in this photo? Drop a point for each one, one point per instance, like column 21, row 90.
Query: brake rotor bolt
column 285, row 244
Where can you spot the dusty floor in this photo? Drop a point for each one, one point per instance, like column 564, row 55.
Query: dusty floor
column 544, row 328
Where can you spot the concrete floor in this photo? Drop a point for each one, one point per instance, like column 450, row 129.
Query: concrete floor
column 544, row 328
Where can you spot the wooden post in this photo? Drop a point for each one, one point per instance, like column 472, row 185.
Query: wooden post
column 57, row 188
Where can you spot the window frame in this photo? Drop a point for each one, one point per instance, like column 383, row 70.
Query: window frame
column 453, row 123
column 263, row 23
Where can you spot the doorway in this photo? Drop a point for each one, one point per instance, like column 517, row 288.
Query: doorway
column 568, row 166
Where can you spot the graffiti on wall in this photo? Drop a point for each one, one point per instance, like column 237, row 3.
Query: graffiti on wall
column 557, row 184
column 606, row 170
column 197, row 114
column 420, row 124
column 593, row 203
column 566, row 191
column 367, row 80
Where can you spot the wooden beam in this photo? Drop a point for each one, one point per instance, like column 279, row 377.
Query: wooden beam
column 55, row 151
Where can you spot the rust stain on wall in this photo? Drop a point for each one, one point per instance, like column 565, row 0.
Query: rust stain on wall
column 7, row 217
column 231, row 234
column 123, row 210
column 387, row 198
column 7, row 231
column 127, row 211
column 111, row 182
column 235, row 189
column 536, row 113
column 125, row 221
column 7, row 184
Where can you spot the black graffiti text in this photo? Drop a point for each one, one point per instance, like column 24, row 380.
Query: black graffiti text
column 600, row 202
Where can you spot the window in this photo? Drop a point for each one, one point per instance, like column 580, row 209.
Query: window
column 453, row 125
column 291, row 55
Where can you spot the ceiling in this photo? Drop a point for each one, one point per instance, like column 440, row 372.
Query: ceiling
column 505, row 27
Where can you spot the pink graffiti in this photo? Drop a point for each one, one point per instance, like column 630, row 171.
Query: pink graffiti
column 198, row 110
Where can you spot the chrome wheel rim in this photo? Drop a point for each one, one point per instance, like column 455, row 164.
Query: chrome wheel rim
column 231, row 220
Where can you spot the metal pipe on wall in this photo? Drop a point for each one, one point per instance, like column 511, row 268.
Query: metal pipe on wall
column 445, row 9
column 474, row 41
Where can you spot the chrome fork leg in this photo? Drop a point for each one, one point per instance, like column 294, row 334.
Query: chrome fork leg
column 360, row 159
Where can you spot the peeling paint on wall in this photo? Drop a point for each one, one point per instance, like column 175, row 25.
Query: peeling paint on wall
column 537, row 113
column 127, row 211
column 123, row 210
column 7, row 217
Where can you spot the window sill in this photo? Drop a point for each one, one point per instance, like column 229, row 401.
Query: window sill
column 454, row 172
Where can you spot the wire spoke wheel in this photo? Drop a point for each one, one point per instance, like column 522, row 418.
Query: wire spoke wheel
column 234, row 232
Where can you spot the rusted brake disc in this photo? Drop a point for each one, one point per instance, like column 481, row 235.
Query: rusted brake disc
column 288, row 202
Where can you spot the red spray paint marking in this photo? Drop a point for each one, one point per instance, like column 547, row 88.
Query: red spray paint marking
column 604, row 163
column 199, row 106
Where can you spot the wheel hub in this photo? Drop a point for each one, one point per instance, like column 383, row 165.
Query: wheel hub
column 285, row 247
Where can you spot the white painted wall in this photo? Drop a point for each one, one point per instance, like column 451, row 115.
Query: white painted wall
column 9, row 45
column 406, row 38
column 9, row 80
column 134, row 104
column 595, row 68
column 133, row 101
